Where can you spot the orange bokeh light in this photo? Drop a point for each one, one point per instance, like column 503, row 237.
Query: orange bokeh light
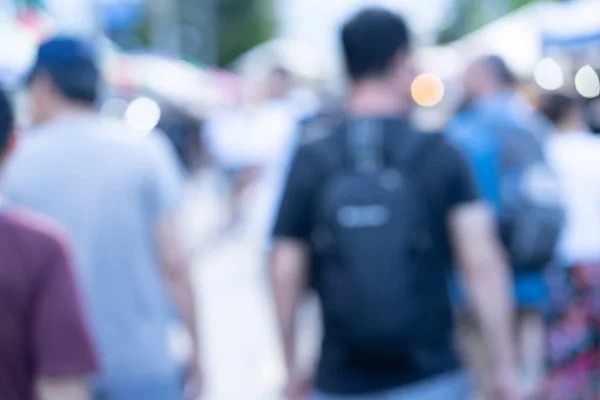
column 427, row 90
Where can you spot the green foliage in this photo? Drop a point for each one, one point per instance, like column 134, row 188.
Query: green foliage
column 242, row 24
column 470, row 15
column 459, row 22
column 516, row 4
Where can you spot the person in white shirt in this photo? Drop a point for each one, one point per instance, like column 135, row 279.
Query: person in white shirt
column 229, row 144
column 574, row 152
column 274, row 128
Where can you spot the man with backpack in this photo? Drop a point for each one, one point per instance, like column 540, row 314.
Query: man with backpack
column 503, row 140
column 374, row 213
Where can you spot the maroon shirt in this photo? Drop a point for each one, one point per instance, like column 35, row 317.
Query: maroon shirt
column 42, row 329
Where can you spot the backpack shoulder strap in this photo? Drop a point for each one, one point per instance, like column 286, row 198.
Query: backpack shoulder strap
column 319, row 126
column 414, row 148
column 373, row 144
column 364, row 145
column 328, row 152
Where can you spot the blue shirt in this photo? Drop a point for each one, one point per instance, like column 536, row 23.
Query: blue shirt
column 476, row 132
column 108, row 187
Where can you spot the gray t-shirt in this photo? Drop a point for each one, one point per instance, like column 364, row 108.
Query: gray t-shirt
column 108, row 187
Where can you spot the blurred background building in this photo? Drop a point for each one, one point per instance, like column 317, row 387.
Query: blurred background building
column 537, row 38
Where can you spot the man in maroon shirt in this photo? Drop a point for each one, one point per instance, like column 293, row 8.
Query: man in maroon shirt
column 45, row 350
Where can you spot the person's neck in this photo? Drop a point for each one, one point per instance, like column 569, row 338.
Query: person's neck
column 493, row 91
column 64, row 110
column 572, row 127
column 376, row 99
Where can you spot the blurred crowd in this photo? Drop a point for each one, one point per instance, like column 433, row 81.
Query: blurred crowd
column 461, row 263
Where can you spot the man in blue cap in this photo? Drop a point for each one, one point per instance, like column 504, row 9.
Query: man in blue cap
column 117, row 194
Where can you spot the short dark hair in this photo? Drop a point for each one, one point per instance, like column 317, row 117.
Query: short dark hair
column 80, row 84
column 556, row 106
column 371, row 40
column 7, row 120
column 281, row 72
column 181, row 127
column 499, row 68
column 70, row 63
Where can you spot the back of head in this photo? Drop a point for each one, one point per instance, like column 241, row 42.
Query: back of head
column 279, row 82
column 282, row 73
column 69, row 64
column 487, row 75
column 183, row 130
column 558, row 108
column 498, row 68
column 372, row 40
column 6, row 121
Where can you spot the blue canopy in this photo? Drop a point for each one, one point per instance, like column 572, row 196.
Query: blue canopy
column 572, row 25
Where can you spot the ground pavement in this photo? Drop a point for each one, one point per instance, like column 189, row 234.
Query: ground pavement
column 240, row 347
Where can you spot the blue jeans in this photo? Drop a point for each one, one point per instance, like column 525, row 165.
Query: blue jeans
column 455, row 386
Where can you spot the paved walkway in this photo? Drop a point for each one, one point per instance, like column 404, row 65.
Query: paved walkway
column 240, row 345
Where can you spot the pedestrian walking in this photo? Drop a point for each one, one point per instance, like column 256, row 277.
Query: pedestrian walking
column 372, row 216
column 573, row 318
column 117, row 194
column 503, row 139
column 46, row 349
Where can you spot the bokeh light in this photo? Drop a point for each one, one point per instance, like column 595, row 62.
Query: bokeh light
column 548, row 74
column 587, row 82
column 427, row 90
column 143, row 114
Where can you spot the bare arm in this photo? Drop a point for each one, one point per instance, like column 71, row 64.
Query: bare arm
column 62, row 350
column 177, row 275
column 74, row 388
column 288, row 279
column 481, row 260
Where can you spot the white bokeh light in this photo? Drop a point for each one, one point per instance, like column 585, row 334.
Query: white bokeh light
column 143, row 114
column 587, row 82
column 548, row 74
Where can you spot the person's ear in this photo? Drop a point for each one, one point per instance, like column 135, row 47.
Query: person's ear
column 10, row 145
column 403, row 67
column 42, row 84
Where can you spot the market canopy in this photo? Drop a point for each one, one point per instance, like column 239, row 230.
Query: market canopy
column 572, row 24
column 515, row 37
column 524, row 36
column 302, row 59
column 192, row 87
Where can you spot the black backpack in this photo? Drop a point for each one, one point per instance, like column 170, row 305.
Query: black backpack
column 372, row 240
column 531, row 211
column 505, row 148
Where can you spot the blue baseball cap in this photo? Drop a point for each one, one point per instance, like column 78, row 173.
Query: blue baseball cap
column 65, row 55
